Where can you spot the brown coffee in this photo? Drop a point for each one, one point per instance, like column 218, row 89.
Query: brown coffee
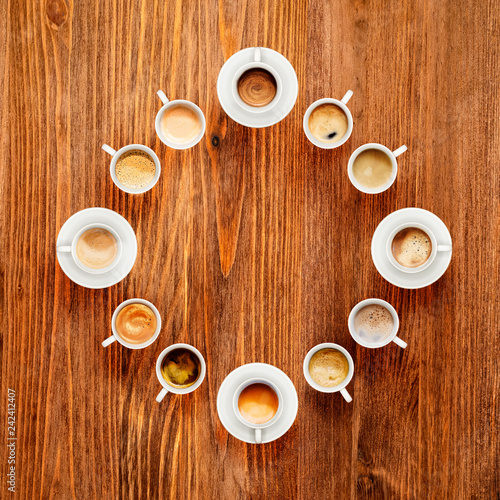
column 96, row 248
column 411, row 247
column 180, row 124
column 372, row 168
column 135, row 169
column 373, row 323
column 136, row 323
column 328, row 367
column 257, row 87
column 181, row 368
column 328, row 123
column 258, row 403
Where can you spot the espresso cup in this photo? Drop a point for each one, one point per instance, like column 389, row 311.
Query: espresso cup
column 392, row 155
column 177, row 390
column 340, row 387
column 342, row 104
column 257, row 427
column 256, row 64
column 170, row 104
column 436, row 247
column 116, row 336
column 72, row 249
column 391, row 338
column 116, row 156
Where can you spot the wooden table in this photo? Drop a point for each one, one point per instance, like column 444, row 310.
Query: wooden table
column 253, row 245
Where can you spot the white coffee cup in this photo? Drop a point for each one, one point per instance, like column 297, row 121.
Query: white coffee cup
column 392, row 156
column 436, row 247
column 72, row 249
column 342, row 104
column 391, row 338
column 176, row 390
column 170, row 104
column 340, row 387
column 116, row 336
column 257, row 427
column 257, row 63
column 116, row 156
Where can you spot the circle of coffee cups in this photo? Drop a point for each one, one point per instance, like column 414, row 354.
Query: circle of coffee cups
column 116, row 156
column 391, row 155
column 170, row 104
column 72, row 249
column 257, row 427
column 340, row 387
column 342, row 104
column 116, row 335
column 177, row 390
column 436, row 247
column 391, row 338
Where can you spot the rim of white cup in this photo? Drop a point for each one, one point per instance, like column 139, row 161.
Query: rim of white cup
column 176, row 145
column 368, row 302
column 320, row 388
column 379, row 147
column 117, row 156
column 171, row 388
column 158, row 323
column 343, row 107
column 251, row 381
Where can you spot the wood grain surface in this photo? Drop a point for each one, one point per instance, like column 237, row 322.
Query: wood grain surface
column 253, row 245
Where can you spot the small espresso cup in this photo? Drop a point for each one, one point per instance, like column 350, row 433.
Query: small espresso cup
column 116, row 156
column 391, row 155
column 170, row 104
column 72, row 249
column 391, row 338
column 436, row 247
column 342, row 104
column 176, row 390
column 256, row 64
column 340, row 387
column 257, row 427
column 116, row 336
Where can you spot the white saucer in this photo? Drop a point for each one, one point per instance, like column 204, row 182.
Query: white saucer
column 120, row 225
column 234, row 380
column 286, row 102
column 382, row 262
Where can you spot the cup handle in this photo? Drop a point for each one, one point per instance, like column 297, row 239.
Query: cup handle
column 258, row 436
column 162, row 96
column 346, row 395
column 347, row 96
column 256, row 54
column 63, row 249
column 109, row 149
column 401, row 343
column 109, row 341
column 444, row 248
column 162, row 394
column 400, row 150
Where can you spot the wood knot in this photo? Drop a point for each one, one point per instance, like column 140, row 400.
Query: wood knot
column 215, row 141
column 57, row 13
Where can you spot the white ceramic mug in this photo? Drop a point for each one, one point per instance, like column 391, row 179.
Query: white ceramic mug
column 257, row 63
column 391, row 338
column 257, row 427
column 116, row 156
column 116, row 336
column 342, row 104
column 340, row 387
column 72, row 249
column 170, row 104
column 390, row 154
column 170, row 388
column 436, row 247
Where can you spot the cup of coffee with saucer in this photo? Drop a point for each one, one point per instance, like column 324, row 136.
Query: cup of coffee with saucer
column 329, row 368
column 374, row 323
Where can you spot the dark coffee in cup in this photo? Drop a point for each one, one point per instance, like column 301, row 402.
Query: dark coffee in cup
column 257, row 87
column 181, row 368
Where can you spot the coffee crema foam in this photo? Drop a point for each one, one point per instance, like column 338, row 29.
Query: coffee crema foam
column 136, row 323
column 135, row 169
column 257, row 87
column 96, row 248
column 181, row 368
column 411, row 247
column 373, row 323
column 372, row 168
column 258, row 403
column 328, row 367
column 328, row 123
column 180, row 124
